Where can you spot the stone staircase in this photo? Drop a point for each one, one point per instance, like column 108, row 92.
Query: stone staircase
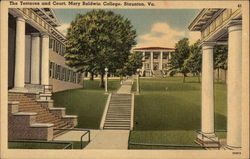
column 158, row 73
column 119, row 112
column 31, row 116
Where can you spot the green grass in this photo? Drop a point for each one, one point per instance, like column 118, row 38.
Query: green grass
column 88, row 103
column 29, row 145
column 169, row 111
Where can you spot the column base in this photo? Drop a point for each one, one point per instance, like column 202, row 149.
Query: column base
column 228, row 147
column 18, row 90
column 137, row 93
column 208, row 140
column 34, row 88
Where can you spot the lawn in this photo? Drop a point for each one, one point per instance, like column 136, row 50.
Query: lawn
column 168, row 111
column 88, row 102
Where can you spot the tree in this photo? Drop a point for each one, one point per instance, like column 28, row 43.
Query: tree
column 99, row 39
column 178, row 57
column 220, row 57
column 134, row 62
column 194, row 61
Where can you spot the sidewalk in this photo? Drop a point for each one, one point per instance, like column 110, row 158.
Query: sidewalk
column 110, row 139
column 126, row 87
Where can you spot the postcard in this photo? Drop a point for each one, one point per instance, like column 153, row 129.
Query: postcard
column 124, row 79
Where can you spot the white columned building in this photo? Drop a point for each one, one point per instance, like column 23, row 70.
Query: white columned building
column 221, row 26
column 35, row 58
column 20, row 56
column 155, row 60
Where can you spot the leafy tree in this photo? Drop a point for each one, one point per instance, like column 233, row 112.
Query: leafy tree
column 134, row 62
column 220, row 57
column 194, row 61
column 99, row 39
column 178, row 57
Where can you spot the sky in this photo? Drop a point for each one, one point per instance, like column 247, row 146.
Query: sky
column 154, row 27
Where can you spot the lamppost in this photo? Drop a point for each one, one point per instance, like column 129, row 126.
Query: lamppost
column 137, row 85
column 106, row 80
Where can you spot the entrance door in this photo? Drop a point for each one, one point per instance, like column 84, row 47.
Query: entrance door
column 156, row 66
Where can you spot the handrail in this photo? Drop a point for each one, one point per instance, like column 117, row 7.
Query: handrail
column 77, row 129
column 69, row 144
column 165, row 145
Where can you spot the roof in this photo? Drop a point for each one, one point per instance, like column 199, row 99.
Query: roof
column 203, row 18
column 48, row 15
column 153, row 48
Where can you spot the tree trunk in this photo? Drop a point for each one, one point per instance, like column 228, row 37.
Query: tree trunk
column 91, row 76
column 102, row 85
column 199, row 79
column 184, row 77
column 218, row 74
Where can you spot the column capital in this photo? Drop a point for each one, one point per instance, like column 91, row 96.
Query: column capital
column 35, row 34
column 234, row 25
column 20, row 18
column 45, row 35
column 207, row 45
column 234, row 22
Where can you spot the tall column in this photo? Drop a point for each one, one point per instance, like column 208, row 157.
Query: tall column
column 35, row 58
column 207, row 94
column 151, row 63
column 143, row 59
column 45, row 60
column 20, row 56
column 161, row 60
column 234, row 112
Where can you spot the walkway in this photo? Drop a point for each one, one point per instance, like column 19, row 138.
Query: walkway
column 126, row 87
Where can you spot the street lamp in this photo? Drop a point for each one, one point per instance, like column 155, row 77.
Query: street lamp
column 137, row 85
column 106, row 80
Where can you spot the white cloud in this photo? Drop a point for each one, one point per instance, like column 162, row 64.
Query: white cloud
column 193, row 36
column 63, row 28
column 160, row 35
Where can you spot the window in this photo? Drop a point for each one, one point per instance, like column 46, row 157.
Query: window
column 165, row 66
column 50, row 69
column 165, row 55
column 147, row 55
column 155, row 55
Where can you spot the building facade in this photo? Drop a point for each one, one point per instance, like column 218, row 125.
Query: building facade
column 36, row 68
column 155, row 60
column 221, row 26
column 36, row 50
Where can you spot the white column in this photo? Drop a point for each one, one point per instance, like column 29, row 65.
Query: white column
column 45, row 60
column 207, row 92
column 143, row 59
column 234, row 112
column 35, row 58
column 161, row 60
column 20, row 56
column 151, row 62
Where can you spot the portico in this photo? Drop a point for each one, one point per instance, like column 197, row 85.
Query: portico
column 221, row 26
column 31, row 54
column 155, row 60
